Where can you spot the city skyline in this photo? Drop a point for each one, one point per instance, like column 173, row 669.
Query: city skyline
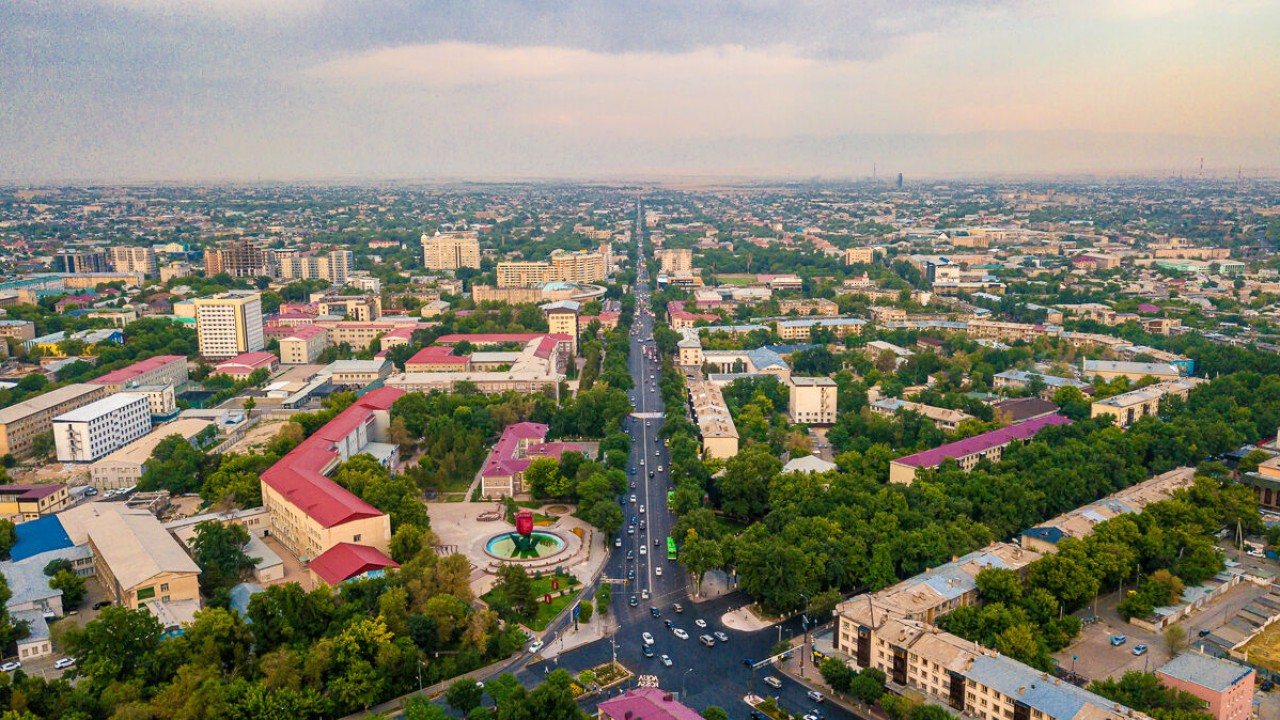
column 226, row 90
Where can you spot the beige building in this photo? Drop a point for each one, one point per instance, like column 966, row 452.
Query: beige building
column 137, row 560
column 133, row 259
column 489, row 383
column 20, row 424
column 689, row 350
column 809, row 306
column 361, row 308
column 303, row 345
column 575, row 267
column 944, row 418
column 450, row 251
column 1110, row 369
column 678, row 261
column 20, row 503
column 358, row 373
column 813, row 400
column 715, row 424
column 124, row 467
column 1127, row 408
column 20, row 330
column 230, row 324
column 856, row 255
column 562, row 319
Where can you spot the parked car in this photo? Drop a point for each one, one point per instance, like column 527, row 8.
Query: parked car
column 1118, row 640
column 535, row 646
column 1139, row 649
column 10, row 666
column 678, row 608
column 700, row 623
column 648, row 651
column 101, row 604
column 707, row 640
column 648, row 639
column 665, row 660
column 64, row 663
column 721, row 636
column 815, row 696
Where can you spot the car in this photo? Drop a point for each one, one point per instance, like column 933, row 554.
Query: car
column 721, row 636
column 655, row 612
column 660, row 468
column 64, row 663
column 657, row 571
column 655, row 542
column 648, row 423
column 1118, row 640
column 631, row 529
column 665, row 660
column 700, row 623
column 678, row 608
column 535, row 647
column 650, row 474
column 815, row 696
column 641, row 509
column 634, row 601
column 631, row 574
column 643, row 550
column 617, row 542
column 633, row 472
column 633, row 484
column 642, row 526
column 1139, row 650
column 631, row 555
column 1256, row 553
column 656, row 453
column 648, row 639
column 648, row 651
column 645, row 593
column 633, row 497
column 707, row 640
column 773, row 682
column 642, row 461
column 680, row 633
column 10, row 666
column 669, row 623
column 811, row 716
column 101, row 604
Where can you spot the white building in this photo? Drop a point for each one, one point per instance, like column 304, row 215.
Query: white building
column 97, row 429
column 229, row 325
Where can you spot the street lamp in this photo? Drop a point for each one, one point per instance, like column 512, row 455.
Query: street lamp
column 684, row 694
column 804, row 623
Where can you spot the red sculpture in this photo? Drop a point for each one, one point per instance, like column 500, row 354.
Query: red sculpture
column 524, row 522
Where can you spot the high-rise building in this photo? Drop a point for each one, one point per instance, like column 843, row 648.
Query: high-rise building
column 80, row 262
column 562, row 319
column 450, row 251
column 126, row 258
column 99, row 428
column 291, row 264
column 584, row 266
column 677, row 261
column 230, row 324
column 237, row 258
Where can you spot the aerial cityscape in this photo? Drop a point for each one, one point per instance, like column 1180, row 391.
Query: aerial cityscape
column 555, row 364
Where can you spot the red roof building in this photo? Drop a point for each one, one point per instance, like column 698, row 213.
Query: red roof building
column 243, row 365
column 645, row 704
column 482, row 339
column 158, row 370
column 437, row 359
column 503, row 471
column 348, row 561
column 311, row 513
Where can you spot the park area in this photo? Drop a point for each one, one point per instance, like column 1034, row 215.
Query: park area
column 560, row 588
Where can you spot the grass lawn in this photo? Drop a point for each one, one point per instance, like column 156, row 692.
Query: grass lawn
column 547, row 613
column 740, row 280
column 733, row 527
column 541, row 587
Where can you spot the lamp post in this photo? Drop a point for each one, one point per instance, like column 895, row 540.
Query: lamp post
column 420, row 663
column 804, row 624
column 684, row 693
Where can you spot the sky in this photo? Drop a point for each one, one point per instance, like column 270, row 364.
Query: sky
column 139, row 90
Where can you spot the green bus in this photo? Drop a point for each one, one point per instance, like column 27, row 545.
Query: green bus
column 671, row 498
column 671, row 549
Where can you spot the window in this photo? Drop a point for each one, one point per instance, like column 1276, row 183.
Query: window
column 164, row 587
column 146, row 593
column 355, row 539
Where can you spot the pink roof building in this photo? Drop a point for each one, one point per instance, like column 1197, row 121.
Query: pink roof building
column 503, row 471
column 967, row 452
column 645, row 704
column 244, row 364
column 158, row 370
column 348, row 561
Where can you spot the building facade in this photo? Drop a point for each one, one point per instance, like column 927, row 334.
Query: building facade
column 813, row 400
column 126, row 258
column 229, row 325
column 22, row 423
column 99, row 428
column 304, row 345
column 451, row 251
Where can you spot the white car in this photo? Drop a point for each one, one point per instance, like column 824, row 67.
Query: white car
column 656, row 452
column 64, row 663
column 648, row 639
column 660, row 468
column 657, row 571
column 700, row 623
column 10, row 666
column 644, row 550
column 641, row 509
column 535, row 646
column 680, row 633
column 814, row 695
column 773, row 682
column 665, row 660
column 633, row 498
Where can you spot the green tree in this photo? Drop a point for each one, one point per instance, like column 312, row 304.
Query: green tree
column 72, row 587
column 868, row 686
column 714, row 712
column 8, row 537
column 543, row 478
column 586, row 611
column 119, row 645
column 698, row 556
column 1175, row 640
column 464, row 694
column 219, row 551
column 837, row 674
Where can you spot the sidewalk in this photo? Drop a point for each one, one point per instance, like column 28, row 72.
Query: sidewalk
column 743, row 620
column 812, row 679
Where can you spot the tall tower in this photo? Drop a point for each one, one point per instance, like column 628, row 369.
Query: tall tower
column 230, row 324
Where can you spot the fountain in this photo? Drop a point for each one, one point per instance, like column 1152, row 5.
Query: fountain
column 524, row 543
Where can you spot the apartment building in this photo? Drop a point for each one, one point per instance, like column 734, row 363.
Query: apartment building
column 360, row 308
column 230, row 324
column 1025, row 378
column 124, row 467
column 1127, row 408
column 292, row 264
column 803, row 329
column 760, row 361
column 311, row 513
column 237, row 258
column 99, row 428
column 808, row 306
column 22, row 503
column 22, row 423
column 1226, row 687
column 562, row 319
column 813, row 400
column 944, row 418
column 689, row 350
column 677, row 261
column 20, row 330
column 855, row 255
column 303, row 345
column 968, row 452
column 361, row 334
column 174, row 270
column 715, row 423
column 134, row 259
column 79, row 262
column 450, row 251
column 1111, row 369
column 158, row 370
column 490, row 383
column 583, row 266
column 1079, row 523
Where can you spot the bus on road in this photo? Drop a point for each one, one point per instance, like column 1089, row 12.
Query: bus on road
column 671, row 549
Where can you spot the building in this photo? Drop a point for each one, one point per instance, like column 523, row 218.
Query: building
column 689, row 350
column 21, row 503
column 242, row 366
column 562, row 319
column 237, row 258
column 22, row 423
column 80, row 262
column 715, row 423
column 304, row 345
column 644, row 703
column 229, row 325
column 137, row 560
column 808, row 306
column 311, row 513
column 451, row 251
column 855, row 255
column 436, row 358
column 1079, row 523
column 134, row 259
column 809, row 464
column 175, row 270
column 365, row 283
column 1019, row 410
column 361, row 308
column 124, row 467
column 161, row 399
column 1020, row 379
column 802, row 329
column 94, row 430
column 968, row 452
column 1226, row 687
column 20, row 330
column 502, row 474
column 1111, row 369
column 944, row 418
column 158, row 370
column 1096, row 261
column 813, row 400
column 292, row 264
column 349, row 561
column 358, row 373
column 676, row 261
column 1127, row 408
column 583, row 266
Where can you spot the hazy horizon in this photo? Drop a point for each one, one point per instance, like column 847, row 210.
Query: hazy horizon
column 227, row 91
